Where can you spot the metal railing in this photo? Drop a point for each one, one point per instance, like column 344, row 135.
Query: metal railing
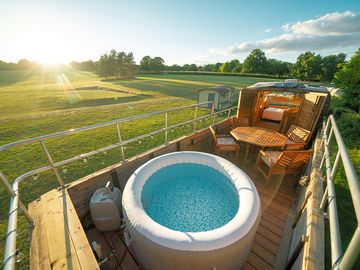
column 339, row 260
column 13, row 190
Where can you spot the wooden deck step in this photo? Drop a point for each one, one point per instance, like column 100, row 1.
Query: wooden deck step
column 58, row 240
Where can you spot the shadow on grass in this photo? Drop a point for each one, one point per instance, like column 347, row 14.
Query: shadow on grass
column 105, row 101
column 9, row 77
column 162, row 87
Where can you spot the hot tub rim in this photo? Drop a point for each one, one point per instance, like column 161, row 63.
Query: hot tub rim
column 235, row 229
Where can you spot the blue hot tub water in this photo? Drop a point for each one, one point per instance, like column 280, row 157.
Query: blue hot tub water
column 190, row 197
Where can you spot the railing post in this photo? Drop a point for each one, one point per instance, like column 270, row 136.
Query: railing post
column 166, row 127
column 51, row 162
column 120, row 141
column 229, row 111
column 12, row 193
column 194, row 125
column 324, row 200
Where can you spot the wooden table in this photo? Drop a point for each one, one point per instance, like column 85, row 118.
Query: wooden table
column 258, row 136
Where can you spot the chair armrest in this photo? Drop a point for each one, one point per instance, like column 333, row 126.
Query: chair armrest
column 262, row 152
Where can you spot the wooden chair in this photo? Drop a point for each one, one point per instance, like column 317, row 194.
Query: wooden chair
column 224, row 143
column 285, row 162
column 297, row 138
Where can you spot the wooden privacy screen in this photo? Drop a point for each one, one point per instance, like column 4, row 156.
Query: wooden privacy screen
column 247, row 101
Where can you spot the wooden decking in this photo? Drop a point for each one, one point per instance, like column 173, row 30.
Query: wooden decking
column 59, row 241
column 276, row 198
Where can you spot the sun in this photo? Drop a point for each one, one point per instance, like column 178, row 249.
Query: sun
column 47, row 48
column 44, row 42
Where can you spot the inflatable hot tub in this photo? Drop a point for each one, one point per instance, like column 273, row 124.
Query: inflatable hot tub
column 190, row 210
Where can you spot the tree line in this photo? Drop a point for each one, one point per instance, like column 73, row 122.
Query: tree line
column 308, row 66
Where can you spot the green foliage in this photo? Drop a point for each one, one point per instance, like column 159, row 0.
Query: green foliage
column 22, row 64
column 209, row 67
column 308, row 67
column 349, row 124
column 217, row 67
column 155, row 64
column 256, row 62
column 348, row 79
column 280, row 68
column 237, row 69
column 229, row 66
column 88, row 65
column 188, row 67
column 173, row 68
column 116, row 65
column 331, row 64
column 225, row 67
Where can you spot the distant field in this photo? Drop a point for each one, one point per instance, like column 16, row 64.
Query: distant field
column 40, row 102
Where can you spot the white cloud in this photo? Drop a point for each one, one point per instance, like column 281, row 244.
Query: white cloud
column 268, row 30
column 286, row 27
column 333, row 30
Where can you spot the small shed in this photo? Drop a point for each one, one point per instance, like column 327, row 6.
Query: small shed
column 223, row 96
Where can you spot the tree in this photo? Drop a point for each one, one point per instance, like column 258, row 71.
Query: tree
column 185, row 67
column 173, row 68
column 237, row 69
column 217, row 67
column 276, row 67
column 225, row 67
column 25, row 64
column 145, row 63
column 232, row 64
column 348, row 79
column 209, row 67
column 88, row 65
column 330, row 65
column 188, row 67
column 229, row 66
column 193, row 67
column 308, row 67
column 116, row 65
column 152, row 64
column 157, row 64
column 256, row 62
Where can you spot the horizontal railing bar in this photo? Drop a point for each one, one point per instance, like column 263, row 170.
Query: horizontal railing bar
column 352, row 179
column 10, row 243
column 352, row 252
column 335, row 243
column 90, row 127
column 112, row 146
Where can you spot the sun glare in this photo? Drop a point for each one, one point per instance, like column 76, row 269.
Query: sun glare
column 45, row 42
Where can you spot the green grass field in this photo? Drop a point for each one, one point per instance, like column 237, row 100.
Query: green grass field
column 40, row 102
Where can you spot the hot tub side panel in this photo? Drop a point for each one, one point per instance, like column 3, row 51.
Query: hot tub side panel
column 157, row 257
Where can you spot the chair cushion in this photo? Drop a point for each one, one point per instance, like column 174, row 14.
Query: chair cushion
column 270, row 157
column 225, row 140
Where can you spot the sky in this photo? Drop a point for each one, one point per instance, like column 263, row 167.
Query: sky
column 180, row 32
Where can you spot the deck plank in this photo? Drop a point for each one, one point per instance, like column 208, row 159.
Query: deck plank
column 266, row 243
column 61, row 250
column 263, row 253
column 257, row 262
